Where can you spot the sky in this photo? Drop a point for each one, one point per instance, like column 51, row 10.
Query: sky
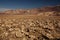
column 26, row 4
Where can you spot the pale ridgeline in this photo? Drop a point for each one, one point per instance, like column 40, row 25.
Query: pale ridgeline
column 45, row 11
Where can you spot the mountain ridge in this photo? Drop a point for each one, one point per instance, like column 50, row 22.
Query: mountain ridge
column 35, row 11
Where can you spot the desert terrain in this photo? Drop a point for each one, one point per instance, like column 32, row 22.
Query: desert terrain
column 33, row 24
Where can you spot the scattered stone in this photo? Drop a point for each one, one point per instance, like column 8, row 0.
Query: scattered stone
column 30, row 29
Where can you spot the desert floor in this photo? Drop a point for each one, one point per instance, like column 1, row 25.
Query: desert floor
column 29, row 27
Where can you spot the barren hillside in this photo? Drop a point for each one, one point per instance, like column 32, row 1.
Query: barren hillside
column 19, row 27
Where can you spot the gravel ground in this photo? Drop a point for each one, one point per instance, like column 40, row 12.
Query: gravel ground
column 30, row 29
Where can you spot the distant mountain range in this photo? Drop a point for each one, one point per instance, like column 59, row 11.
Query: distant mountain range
column 47, row 11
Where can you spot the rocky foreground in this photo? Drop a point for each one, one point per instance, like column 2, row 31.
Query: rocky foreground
column 29, row 28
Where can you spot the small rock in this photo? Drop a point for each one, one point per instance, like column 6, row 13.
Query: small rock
column 11, row 29
column 19, row 34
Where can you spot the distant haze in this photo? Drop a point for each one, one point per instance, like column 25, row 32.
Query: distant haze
column 4, row 9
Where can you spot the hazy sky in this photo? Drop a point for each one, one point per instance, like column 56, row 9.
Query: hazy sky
column 13, row 4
